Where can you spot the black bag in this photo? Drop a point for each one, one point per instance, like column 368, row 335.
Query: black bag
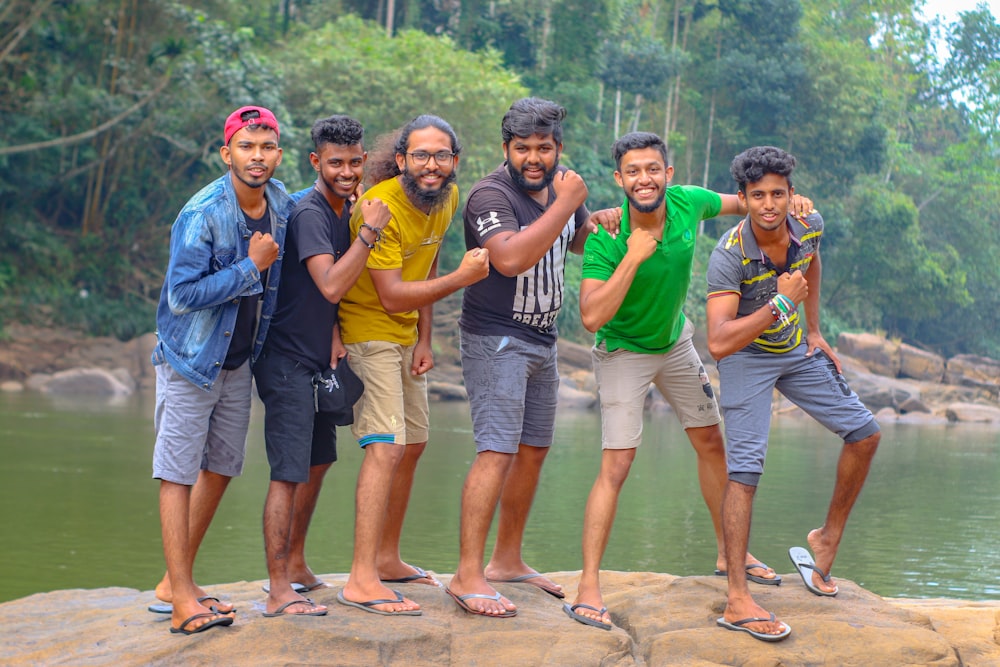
column 336, row 391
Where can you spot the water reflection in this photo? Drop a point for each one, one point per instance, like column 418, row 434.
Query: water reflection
column 81, row 511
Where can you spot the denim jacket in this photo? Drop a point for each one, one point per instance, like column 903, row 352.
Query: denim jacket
column 209, row 271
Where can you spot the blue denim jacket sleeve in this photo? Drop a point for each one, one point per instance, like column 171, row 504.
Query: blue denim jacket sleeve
column 208, row 272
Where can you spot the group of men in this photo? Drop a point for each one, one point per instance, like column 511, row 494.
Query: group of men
column 275, row 287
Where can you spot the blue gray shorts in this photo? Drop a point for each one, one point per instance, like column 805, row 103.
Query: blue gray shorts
column 197, row 429
column 747, row 382
column 513, row 388
column 295, row 435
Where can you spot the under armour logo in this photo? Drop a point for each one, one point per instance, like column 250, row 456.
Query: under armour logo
column 488, row 223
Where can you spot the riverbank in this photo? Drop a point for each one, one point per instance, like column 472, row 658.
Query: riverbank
column 660, row 619
column 899, row 383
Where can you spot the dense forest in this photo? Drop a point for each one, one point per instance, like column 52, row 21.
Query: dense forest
column 113, row 113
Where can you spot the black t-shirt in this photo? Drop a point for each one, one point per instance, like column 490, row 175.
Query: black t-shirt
column 524, row 306
column 303, row 321
column 241, row 344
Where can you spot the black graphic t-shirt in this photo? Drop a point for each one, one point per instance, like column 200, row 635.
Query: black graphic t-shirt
column 525, row 306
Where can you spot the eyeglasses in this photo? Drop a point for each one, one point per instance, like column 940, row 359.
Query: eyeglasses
column 443, row 158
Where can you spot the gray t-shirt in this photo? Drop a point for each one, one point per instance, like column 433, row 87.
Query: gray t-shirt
column 738, row 266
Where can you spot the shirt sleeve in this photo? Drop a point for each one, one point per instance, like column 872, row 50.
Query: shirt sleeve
column 487, row 213
column 723, row 274
column 601, row 256
column 309, row 230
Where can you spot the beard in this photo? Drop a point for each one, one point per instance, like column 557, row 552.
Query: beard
column 523, row 183
column 426, row 198
column 251, row 181
column 646, row 208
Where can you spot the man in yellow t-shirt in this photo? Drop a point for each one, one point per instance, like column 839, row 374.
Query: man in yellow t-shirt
column 385, row 322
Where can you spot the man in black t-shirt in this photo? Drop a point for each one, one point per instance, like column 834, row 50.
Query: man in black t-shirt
column 320, row 265
column 528, row 213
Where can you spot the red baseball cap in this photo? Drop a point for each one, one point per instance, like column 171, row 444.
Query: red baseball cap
column 250, row 115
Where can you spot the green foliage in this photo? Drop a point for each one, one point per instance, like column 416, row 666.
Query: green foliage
column 896, row 145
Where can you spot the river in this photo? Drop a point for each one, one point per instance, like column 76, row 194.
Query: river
column 80, row 508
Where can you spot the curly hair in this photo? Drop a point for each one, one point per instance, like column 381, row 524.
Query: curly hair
column 754, row 163
column 337, row 129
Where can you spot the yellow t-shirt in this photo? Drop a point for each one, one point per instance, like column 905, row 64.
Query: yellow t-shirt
column 410, row 242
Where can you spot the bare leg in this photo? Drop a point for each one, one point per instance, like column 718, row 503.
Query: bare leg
column 712, row 476
column 599, row 516
column 389, row 562
column 480, row 495
column 737, row 507
column 278, row 510
column 175, row 500
column 204, row 499
column 519, row 487
column 852, row 470
column 304, row 505
column 371, row 500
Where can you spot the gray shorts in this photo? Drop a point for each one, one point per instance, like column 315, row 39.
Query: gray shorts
column 623, row 379
column 747, row 383
column 197, row 429
column 295, row 435
column 513, row 390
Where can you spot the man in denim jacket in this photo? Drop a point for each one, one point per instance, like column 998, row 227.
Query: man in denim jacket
column 217, row 299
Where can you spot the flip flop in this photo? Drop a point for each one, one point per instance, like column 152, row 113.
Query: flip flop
column 775, row 581
column 418, row 574
column 805, row 564
column 280, row 611
column 526, row 579
column 167, row 608
column 300, row 588
column 221, row 620
column 461, row 601
column 740, row 626
column 580, row 618
column 369, row 606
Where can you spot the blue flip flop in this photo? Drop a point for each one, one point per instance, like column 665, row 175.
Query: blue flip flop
column 805, row 564
column 586, row 620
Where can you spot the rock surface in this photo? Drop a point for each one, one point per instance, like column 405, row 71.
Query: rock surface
column 660, row 619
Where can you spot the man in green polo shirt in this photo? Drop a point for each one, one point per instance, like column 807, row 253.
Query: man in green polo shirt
column 633, row 289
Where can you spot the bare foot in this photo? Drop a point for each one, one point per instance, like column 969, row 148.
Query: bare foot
column 493, row 604
column 824, row 554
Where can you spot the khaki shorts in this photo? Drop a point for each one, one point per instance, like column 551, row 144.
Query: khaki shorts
column 623, row 379
column 393, row 408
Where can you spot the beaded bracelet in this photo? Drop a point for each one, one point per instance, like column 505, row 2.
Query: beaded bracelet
column 377, row 232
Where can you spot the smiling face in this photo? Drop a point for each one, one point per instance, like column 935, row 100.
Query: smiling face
column 340, row 168
column 644, row 178
column 427, row 184
column 252, row 155
column 532, row 161
column 767, row 201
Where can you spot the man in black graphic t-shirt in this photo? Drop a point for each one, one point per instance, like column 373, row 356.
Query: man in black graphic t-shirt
column 528, row 213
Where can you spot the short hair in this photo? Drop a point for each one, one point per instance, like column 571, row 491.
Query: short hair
column 337, row 129
column 530, row 116
column 755, row 163
column 636, row 141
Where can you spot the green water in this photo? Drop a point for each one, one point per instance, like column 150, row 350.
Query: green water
column 80, row 510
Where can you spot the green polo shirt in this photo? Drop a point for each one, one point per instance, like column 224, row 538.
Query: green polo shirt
column 650, row 319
